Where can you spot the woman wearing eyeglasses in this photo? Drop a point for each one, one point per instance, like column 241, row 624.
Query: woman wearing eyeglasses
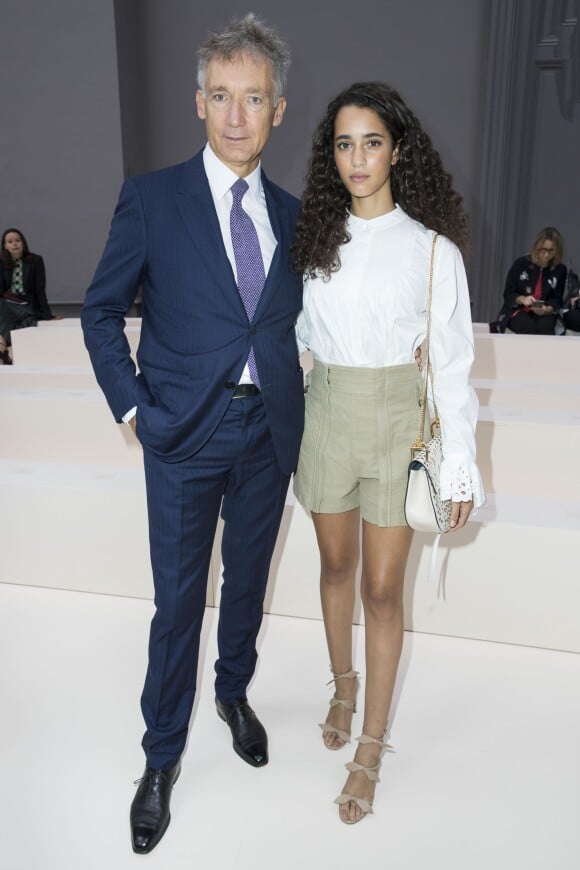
column 534, row 286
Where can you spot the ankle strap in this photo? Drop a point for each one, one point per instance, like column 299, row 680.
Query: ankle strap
column 365, row 739
column 349, row 675
column 371, row 773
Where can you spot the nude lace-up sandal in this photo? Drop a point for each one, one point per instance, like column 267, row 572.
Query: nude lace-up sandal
column 371, row 773
column 343, row 736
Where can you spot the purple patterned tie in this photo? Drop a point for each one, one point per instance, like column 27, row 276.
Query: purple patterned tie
column 249, row 262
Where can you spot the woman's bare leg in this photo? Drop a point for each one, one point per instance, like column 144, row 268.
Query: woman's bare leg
column 385, row 554
column 338, row 542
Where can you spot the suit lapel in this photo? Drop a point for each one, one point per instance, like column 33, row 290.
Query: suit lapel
column 277, row 215
column 26, row 270
column 195, row 204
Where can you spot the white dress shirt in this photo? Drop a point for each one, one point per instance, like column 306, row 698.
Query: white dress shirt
column 221, row 179
column 373, row 313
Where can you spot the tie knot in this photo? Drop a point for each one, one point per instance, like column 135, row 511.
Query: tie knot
column 238, row 190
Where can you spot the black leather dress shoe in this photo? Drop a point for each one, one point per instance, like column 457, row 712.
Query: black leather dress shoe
column 250, row 738
column 150, row 808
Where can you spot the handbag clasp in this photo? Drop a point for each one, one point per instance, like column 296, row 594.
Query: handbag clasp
column 417, row 447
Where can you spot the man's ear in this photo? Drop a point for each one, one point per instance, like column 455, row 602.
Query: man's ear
column 200, row 103
column 278, row 112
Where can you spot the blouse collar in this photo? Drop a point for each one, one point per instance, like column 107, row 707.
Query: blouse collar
column 382, row 222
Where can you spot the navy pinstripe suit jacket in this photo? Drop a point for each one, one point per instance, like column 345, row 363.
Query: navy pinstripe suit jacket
column 195, row 335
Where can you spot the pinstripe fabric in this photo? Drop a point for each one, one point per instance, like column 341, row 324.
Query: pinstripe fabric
column 195, row 335
column 203, row 452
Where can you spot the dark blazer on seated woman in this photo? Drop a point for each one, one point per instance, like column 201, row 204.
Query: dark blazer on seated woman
column 34, row 285
column 534, row 287
column 522, row 279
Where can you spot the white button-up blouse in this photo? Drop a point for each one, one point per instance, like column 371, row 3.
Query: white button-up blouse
column 373, row 313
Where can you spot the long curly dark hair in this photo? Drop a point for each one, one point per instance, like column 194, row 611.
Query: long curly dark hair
column 419, row 183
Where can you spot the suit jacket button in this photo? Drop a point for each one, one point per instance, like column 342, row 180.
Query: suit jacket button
column 230, row 385
column 299, row 368
column 254, row 330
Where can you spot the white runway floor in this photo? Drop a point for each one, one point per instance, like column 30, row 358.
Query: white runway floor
column 486, row 775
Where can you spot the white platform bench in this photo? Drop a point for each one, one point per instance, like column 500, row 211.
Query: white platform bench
column 73, row 507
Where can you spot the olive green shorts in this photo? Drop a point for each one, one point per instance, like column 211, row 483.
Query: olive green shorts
column 355, row 452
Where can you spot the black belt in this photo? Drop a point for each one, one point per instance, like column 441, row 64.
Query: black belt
column 243, row 390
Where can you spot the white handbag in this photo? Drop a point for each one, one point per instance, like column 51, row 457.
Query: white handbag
column 425, row 511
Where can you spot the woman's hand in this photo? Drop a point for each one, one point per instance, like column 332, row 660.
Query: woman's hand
column 460, row 511
column 526, row 300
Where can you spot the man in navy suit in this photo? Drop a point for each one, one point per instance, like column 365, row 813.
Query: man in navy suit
column 218, row 401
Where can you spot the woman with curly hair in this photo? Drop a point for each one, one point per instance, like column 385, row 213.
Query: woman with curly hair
column 375, row 192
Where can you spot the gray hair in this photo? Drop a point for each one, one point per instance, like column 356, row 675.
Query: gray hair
column 242, row 36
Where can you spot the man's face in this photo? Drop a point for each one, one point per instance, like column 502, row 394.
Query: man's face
column 238, row 110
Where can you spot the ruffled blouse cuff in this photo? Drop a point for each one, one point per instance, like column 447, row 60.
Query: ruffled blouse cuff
column 461, row 481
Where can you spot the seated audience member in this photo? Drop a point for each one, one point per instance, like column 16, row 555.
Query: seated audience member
column 534, row 287
column 571, row 308
column 22, row 289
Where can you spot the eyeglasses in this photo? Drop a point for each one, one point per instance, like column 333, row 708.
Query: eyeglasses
column 546, row 251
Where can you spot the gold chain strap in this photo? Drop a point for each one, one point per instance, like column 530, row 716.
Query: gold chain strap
column 419, row 443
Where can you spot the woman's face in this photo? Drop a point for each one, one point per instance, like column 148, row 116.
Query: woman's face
column 544, row 252
column 364, row 155
column 14, row 246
